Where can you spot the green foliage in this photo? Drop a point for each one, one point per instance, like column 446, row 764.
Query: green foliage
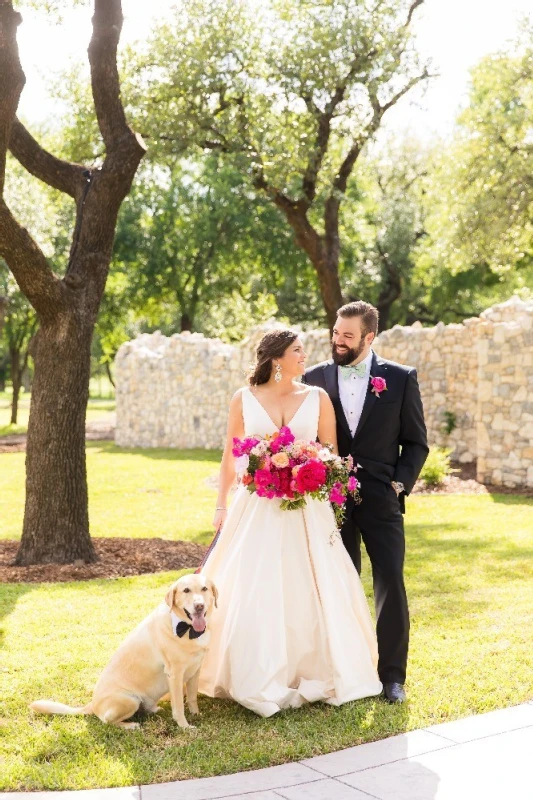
column 194, row 251
column 249, row 79
column 450, row 422
column 437, row 466
column 479, row 193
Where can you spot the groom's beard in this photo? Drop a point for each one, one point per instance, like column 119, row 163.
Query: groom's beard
column 346, row 356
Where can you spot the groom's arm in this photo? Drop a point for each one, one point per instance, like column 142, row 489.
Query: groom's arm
column 413, row 435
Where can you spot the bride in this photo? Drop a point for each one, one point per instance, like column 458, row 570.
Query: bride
column 293, row 624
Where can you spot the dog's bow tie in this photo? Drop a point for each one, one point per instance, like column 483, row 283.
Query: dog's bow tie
column 180, row 628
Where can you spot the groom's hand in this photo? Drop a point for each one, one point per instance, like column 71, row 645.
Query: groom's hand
column 398, row 487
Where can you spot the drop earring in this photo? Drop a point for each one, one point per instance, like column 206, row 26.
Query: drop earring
column 277, row 376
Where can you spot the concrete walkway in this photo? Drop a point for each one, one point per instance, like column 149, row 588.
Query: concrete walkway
column 486, row 757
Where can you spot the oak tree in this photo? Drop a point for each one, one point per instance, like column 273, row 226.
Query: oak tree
column 56, row 521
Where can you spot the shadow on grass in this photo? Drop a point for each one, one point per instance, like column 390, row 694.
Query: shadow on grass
column 513, row 500
column 444, row 566
column 9, row 597
column 228, row 739
column 158, row 453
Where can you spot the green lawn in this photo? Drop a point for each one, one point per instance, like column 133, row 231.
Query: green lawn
column 132, row 493
column 97, row 409
column 469, row 575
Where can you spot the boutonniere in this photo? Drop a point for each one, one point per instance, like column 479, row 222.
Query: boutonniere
column 378, row 385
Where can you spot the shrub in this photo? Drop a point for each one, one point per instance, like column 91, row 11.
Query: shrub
column 437, row 466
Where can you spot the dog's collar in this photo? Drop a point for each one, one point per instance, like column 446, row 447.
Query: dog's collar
column 180, row 627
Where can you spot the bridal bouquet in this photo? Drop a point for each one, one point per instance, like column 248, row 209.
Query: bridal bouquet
column 281, row 466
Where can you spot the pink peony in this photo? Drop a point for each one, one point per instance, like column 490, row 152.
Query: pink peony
column 242, row 447
column 353, row 484
column 311, row 476
column 283, row 438
column 285, row 481
column 336, row 494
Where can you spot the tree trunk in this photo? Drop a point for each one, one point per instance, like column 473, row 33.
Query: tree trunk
column 3, row 308
column 391, row 289
column 327, row 269
column 185, row 322
column 56, row 520
column 16, row 375
column 323, row 252
column 109, row 374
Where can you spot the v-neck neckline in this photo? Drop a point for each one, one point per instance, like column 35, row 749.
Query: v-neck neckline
column 287, row 424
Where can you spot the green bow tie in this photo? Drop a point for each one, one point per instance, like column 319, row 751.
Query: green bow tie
column 358, row 369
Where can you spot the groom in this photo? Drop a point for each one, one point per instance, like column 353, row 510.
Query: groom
column 380, row 422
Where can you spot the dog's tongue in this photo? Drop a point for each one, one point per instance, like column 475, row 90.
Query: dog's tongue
column 198, row 622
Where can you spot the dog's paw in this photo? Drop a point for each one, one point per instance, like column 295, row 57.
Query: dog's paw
column 182, row 723
column 129, row 726
column 194, row 710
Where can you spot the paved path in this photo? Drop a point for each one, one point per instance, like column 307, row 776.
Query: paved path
column 486, row 757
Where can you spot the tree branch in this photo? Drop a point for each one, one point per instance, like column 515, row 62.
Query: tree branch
column 29, row 266
column 21, row 253
column 107, row 25
column 409, row 85
column 12, row 79
column 62, row 175
column 412, row 10
column 324, row 118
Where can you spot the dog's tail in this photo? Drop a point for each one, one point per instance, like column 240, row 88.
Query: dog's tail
column 51, row 707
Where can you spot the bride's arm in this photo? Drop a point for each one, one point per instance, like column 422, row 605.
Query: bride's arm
column 227, row 466
column 327, row 424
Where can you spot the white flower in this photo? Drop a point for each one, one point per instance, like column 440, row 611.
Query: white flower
column 260, row 448
column 325, row 455
column 241, row 464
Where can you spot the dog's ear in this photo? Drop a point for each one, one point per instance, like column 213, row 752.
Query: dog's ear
column 170, row 596
column 214, row 589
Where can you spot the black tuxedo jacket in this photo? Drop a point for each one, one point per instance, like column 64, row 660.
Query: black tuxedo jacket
column 391, row 440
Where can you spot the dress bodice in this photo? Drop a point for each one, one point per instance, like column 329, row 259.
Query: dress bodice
column 304, row 423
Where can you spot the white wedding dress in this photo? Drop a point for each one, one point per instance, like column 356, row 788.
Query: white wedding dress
column 292, row 624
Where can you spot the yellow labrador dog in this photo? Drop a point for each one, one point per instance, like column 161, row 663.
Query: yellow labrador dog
column 162, row 655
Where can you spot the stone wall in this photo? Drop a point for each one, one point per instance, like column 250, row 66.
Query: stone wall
column 476, row 380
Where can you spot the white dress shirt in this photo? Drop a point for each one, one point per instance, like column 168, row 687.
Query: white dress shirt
column 352, row 393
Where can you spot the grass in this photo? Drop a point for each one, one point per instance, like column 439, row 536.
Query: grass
column 98, row 408
column 132, row 493
column 469, row 574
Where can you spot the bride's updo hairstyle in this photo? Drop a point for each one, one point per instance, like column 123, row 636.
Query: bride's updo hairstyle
column 272, row 345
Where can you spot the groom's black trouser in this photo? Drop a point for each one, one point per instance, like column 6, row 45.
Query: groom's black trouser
column 378, row 521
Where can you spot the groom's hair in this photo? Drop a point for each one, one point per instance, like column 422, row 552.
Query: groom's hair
column 368, row 313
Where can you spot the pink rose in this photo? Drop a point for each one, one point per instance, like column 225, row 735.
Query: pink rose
column 378, row 385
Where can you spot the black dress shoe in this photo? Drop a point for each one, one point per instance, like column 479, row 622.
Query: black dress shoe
column 394, row 692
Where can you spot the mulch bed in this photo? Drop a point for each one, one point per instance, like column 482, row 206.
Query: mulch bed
column 117, row 558
column 463, row 481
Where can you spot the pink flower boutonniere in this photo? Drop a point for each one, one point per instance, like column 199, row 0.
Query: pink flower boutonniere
column 378, row 385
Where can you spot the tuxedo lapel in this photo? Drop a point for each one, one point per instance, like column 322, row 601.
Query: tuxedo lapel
column 378, row 368
column 331, row 373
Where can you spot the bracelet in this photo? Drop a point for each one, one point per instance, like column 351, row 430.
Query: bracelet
column 221, row 508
